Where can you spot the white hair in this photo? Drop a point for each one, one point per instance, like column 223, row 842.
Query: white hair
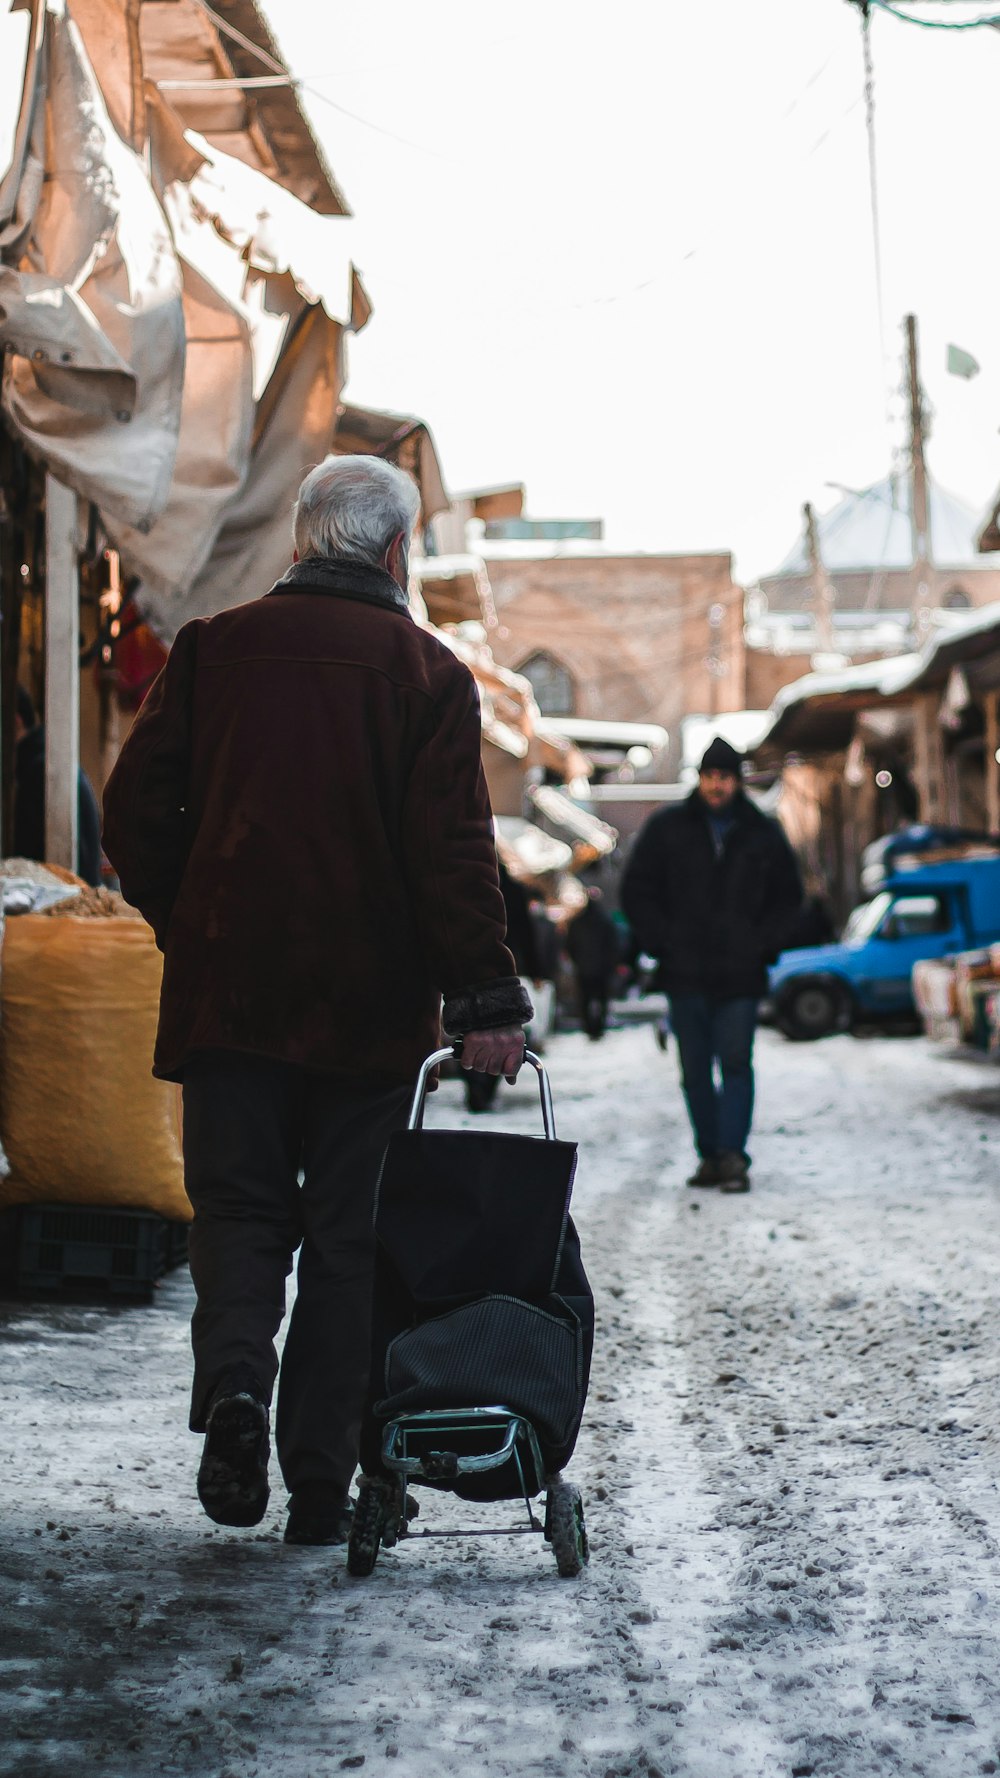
column 353, row 507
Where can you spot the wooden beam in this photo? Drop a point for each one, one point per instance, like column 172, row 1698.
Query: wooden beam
column 928, row 758
column 991, row 744
column 922, row 716
column 62, row 675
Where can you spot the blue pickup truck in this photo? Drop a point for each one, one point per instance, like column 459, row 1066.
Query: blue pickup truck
column 923, row 909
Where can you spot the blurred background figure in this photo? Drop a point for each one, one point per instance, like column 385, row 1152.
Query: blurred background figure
column 29, row 798
column 594, row 948
column 814, row 924
column 523, row 942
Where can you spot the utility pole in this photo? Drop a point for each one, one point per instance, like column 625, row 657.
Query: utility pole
column 823, row 592
column 919, row 503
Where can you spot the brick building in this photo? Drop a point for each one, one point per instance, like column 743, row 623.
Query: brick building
column 606, row 633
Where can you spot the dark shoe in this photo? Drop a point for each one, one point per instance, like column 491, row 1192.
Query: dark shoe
column 318, row 1514
column 733, row 1172
column 232, row 1477
column 706, row 1172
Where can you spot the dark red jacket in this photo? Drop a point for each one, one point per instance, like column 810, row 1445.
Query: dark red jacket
column 301, row 815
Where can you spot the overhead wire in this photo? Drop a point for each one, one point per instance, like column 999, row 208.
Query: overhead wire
column 291, row 80
column 989, row 20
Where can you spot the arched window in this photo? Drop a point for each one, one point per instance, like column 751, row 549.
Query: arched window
column 551, row 684
column 956, row 599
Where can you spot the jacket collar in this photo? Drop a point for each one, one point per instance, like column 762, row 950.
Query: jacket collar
column 348, row 580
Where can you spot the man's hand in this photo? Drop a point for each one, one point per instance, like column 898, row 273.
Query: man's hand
column 494, row 1052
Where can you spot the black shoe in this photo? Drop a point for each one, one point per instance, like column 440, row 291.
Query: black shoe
column 734, row 1172
column 232, row 1477
column 706, row 1172
column 318, row 1514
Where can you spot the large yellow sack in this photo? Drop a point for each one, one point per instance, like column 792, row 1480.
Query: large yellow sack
column 81, row 1117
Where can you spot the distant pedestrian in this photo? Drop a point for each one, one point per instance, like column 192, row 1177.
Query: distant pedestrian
column 711, row 890
column 29, row 797
column 480, row 1088
column 300, row 813
column 594, row 948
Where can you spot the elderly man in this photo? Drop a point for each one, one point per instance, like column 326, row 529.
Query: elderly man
column 711, row 890
column 300, row 813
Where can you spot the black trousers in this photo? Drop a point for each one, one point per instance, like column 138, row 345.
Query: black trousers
column 594, row 991
column 252, row 1129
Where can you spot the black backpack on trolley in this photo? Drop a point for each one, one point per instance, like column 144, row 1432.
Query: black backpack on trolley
column 483, row 1318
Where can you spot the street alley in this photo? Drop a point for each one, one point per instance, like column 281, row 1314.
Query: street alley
column 789, row 1461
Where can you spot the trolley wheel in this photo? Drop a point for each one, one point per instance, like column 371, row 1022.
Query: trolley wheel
column 371, row 1515
column 400, row 1512
column 565, row 1528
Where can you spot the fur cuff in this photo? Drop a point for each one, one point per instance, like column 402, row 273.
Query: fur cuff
column 503, row 1002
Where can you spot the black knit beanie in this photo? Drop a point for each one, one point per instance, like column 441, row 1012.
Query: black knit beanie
column 720, row 757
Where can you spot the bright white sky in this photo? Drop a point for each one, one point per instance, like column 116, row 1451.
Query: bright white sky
column 624, row 254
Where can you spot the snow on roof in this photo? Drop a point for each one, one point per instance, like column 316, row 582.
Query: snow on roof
column 974, row 623
column 881, row 677
column 871, row 529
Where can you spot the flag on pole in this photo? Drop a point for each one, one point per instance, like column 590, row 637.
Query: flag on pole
column 961, row 364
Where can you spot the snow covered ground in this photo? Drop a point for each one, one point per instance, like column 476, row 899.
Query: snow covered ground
column 790, row 1464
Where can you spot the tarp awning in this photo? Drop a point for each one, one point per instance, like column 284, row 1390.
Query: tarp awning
column 90, row 287
column 174, row 324
column 273, row 232
column 186, row 49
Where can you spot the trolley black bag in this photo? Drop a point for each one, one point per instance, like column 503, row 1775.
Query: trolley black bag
column 480, row 1293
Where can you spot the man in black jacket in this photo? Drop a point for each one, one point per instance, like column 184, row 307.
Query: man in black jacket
column 711, row 890
column 300, row 813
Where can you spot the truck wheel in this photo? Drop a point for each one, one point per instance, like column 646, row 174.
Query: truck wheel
column 813, row 1009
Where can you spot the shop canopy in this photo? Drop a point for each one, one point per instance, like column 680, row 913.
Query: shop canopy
column 173, row 320
column 817, row 713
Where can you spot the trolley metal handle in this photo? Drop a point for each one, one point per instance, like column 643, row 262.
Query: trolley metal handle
column 414, row 1466
column 416, row 1118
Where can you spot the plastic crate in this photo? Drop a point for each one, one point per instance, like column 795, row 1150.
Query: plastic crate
column 51, row 1247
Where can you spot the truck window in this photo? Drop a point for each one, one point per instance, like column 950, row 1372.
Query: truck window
column 866, row 919
column 916, row 916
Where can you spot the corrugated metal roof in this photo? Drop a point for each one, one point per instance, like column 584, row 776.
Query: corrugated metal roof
column 871, row 530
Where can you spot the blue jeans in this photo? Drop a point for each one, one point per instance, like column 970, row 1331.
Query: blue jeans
column 712, row 1031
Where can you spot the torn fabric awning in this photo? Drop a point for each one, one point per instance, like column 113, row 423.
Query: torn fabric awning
column 93, row 325
column 274, row 233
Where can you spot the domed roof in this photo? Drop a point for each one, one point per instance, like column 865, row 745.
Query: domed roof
column 871, row 530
